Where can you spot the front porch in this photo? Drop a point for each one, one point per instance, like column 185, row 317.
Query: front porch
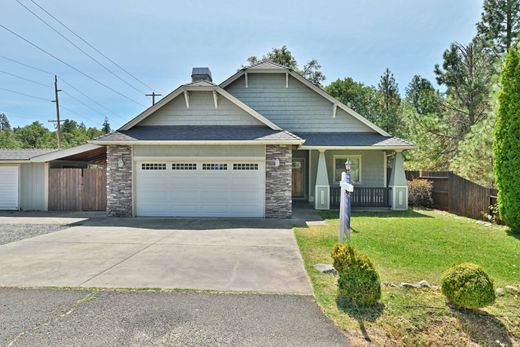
column 378, row 178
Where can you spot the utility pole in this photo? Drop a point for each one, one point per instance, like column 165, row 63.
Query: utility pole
column 153, row 95
column 57, row 121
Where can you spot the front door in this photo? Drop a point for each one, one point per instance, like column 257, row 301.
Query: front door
column 298, row 177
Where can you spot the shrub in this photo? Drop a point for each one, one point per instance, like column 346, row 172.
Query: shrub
column 420, row 193
column 358, row 279
column 507, row 143
column 467, row 285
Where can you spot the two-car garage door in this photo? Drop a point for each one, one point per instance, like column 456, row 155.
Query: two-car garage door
column 200, row 188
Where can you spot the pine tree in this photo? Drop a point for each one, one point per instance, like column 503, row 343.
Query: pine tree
column 106, row 126
column 4, row 122
column 500, row 23
column 390, row 102
column 507, row 142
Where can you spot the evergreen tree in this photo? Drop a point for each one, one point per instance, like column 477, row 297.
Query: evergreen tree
column 500, row 24
column 106, row 126
column 507, row 142
column 421, row 94
column 4, row 122
column 467, row 73
column 390, row 103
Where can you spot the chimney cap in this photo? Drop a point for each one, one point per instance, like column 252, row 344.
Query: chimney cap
column 201, row 74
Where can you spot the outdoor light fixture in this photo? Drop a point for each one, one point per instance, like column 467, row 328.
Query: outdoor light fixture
column 348, row 165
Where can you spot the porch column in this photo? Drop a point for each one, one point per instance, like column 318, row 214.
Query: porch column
column 398, row 183
column 322, row 188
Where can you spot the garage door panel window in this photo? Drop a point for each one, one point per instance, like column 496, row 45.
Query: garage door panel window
column 245, row 166
column 214, row 166
column 184, row 166
column 153, row 166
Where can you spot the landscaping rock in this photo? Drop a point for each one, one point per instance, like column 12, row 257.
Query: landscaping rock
column 513, row 290
column 420, row 284
column 409, row 285
column 389, row 284
column 325, row 268
column 500, row 291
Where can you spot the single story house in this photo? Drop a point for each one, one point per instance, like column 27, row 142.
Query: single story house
column 247, row 147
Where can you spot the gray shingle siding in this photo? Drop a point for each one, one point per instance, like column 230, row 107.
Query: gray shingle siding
column 297, row 108
column 202, row 111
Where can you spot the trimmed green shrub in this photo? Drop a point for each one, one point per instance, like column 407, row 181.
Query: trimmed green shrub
column 358, row 279
column 507, row 143
column 467, row 285
column 420, row 193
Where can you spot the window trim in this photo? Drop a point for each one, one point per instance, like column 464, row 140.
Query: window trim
column 345, row 156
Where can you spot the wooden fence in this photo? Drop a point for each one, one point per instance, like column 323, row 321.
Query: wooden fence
column 78, row 189
column 457, row 195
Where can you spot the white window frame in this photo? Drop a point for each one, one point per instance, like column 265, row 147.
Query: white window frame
column 344, row 157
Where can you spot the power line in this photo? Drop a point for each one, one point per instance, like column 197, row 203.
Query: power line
column 81, row 102
column 70, row 66
column 91, row 46
column 64, row 81
column 26, row 65
column 44, row 99
column 25, row 79
column 24, row 94
column 77, row 47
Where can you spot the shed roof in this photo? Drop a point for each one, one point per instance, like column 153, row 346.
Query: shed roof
column 345, row 139
column 23, row 154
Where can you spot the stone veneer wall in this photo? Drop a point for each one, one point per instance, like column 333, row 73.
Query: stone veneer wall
column 119, row 181
column 278, row 181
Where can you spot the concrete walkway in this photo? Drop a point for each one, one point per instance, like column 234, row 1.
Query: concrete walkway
column 224, row 255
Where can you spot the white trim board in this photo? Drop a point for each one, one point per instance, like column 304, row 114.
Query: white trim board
column 200, row 142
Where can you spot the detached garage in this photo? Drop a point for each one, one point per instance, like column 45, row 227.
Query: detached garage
column 9, row 190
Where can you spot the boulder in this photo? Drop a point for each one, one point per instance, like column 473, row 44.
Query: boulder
column 513, row 290
column 325, row 268
column 500, row 291
column 389, row 284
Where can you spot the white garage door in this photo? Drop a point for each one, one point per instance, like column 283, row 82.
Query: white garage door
column 8, row 187
column 200, row 189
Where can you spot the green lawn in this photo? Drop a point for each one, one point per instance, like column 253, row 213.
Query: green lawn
column 410, row 246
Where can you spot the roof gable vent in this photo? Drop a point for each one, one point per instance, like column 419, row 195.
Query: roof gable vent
column 201, row 74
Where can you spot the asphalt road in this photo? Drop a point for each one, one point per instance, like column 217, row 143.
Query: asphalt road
column 48, row 317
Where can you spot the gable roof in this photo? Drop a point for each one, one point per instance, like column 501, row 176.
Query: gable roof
column 198, row 86
column 269, row 67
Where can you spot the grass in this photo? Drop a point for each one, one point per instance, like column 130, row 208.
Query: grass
column 411, row 246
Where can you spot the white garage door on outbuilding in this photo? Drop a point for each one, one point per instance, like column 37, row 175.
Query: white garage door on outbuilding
column 9, row 188
column 200, row 188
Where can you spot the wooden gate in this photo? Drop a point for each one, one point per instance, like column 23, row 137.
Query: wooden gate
column 77, row 190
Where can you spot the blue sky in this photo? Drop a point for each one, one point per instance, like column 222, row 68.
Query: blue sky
column 160, row 41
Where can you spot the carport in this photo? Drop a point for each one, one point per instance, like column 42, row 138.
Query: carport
column 72, row 179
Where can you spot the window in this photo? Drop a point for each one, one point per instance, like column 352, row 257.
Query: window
column 153, row 166
column 245, row 166
column 339, row 167
column 214, row 166
column 184, row 166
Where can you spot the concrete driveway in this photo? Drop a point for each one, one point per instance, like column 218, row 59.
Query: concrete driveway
column 223, row 255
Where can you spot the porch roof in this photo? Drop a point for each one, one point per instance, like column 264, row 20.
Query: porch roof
column 351, row 140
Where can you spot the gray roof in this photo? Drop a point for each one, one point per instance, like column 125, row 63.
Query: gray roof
column 198, row 133
column 23, row 154
column 338, row 139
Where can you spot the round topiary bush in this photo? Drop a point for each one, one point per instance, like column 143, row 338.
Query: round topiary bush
column 358, row 279
column 467, row 285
